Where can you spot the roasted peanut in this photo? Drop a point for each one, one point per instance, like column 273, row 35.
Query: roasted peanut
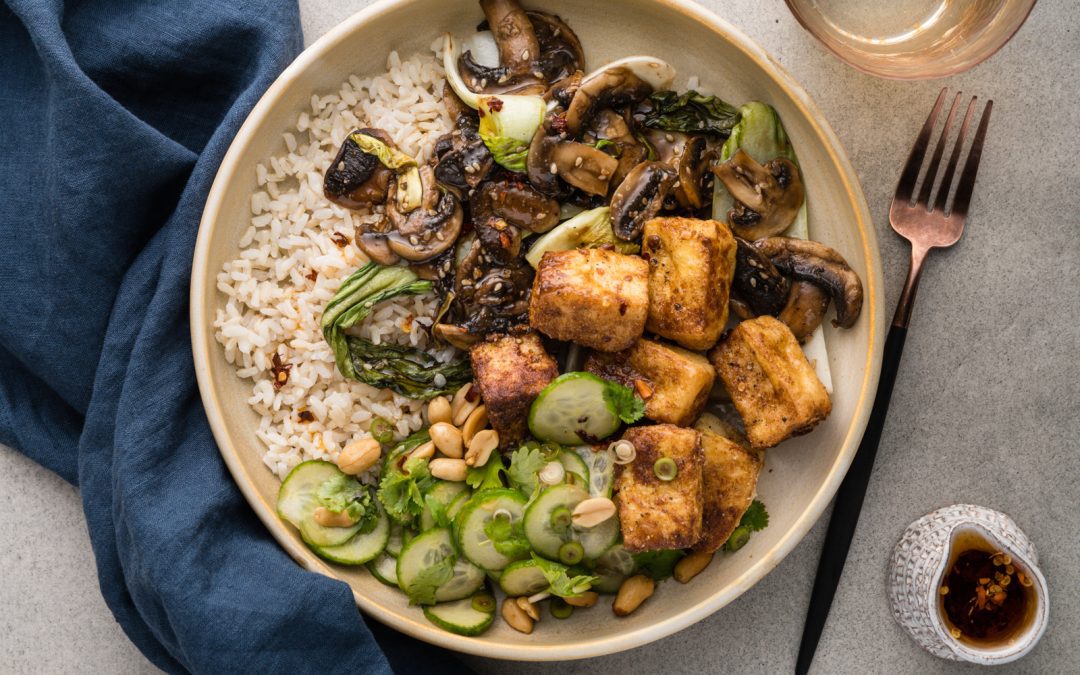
column 359, row 456
column 438, row 410
column 477, row 420
column 327, row 518
column 448, row 469
column 466, row 400
column 632, row 593
column 692, row 565
column 514, row 615
column 586, row 599
column 529, row 608
column 447, row 439
column 423, row 451
column 592, row 512
column 481, row 447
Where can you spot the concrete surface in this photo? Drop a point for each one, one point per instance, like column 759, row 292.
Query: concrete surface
column 986, row 409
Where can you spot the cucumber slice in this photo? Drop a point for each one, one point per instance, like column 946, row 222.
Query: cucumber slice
column 546, row 540
column 399, row 536
column 431, row 548
column 384, row 568
column 319, row 536
column 457, row 504
column 444, row 492
column 297, row 494
column 362, row 547
column 572, row 403
column 523, row 577
column 601, row 465
column 471, row 527
column 575, row 465
column 459, row 617
column 612, row 568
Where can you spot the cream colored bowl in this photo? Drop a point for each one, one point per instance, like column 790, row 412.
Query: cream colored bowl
column 802, row 474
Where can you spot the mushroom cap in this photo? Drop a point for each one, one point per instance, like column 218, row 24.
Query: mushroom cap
column 513, row 34
column 757, row 284
column 616, row 85
column 768, row 196
column 516, row 202
column 639, row 198
column 357, row 179
column 693, row 167
column 584, row 167
column 805, row 309
column 815, row 262
column 429, row 230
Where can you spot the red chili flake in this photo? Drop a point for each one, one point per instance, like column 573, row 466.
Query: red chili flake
column 495, row 104
column 306, row 416
column 280, row 369
column 312, row 275
column 340, row 240
column 558, row 123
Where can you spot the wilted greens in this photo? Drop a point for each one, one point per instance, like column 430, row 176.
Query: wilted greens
column 690, row 112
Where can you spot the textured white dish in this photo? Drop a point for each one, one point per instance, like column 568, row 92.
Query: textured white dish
column 801, row 475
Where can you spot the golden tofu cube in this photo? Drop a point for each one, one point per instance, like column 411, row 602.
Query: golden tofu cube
column 675, row 383
column 594, row 297
column 774, row 388
column 691, row 264
column 729, row 481
column 657, row 514
column 510, row 371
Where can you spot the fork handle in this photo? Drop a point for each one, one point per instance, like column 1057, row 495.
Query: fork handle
column 849, row 498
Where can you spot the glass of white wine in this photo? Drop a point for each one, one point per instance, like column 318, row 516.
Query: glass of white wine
column 912, row 39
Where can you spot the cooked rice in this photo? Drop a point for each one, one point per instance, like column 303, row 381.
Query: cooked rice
column 271, row 306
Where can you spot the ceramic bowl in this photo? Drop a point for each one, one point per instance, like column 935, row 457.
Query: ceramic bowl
column 801, row 475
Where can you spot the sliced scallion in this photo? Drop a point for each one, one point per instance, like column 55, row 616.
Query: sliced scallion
column 666, row 469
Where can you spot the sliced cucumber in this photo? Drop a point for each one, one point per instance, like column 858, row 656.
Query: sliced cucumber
column 573, row 403
column 443, row 492
column 546, row 539
column 362, row 547
column 384, row 568
column 612, row 568
column 319, row 536
column 523, row 577
column 431, row 548
column 575, row 465
column 457, row 504
column 601, row 465
column 297, row 496
column 471, row 527
column 397, row 539
column 459, row 616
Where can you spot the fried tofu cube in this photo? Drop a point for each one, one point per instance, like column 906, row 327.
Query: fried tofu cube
column 657, row 514
column 675, row 383
column 594, row 297
column 729, row 481
column 510, row 372
column 774, row 388
column 691, row 264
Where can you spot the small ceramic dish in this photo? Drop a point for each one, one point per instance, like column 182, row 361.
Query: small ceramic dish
column 801, row 476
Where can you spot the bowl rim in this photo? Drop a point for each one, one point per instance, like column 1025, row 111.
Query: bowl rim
column 203, row 344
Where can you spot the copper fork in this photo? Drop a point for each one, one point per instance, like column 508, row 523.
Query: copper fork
column 927, row 226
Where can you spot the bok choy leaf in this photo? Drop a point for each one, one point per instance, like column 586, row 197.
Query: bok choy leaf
column 690, row 112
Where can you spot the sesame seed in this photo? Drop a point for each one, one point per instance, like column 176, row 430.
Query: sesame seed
column 498, row 286
column 503, row 78
column 578, row 161
column 469, row 168
column 554, row 168
column 483, row 83
column 525, row 55
column 538, row 75
column 413, row 240
column 669, row 138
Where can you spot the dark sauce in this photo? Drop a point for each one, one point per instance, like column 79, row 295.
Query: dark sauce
column 986, row 598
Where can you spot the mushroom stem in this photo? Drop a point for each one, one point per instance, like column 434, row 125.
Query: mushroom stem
column 815, row 262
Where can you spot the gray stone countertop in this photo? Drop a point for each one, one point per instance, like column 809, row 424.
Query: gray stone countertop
column 986, row 409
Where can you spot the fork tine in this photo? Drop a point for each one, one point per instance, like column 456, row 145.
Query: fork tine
column 946, row 181
column 906, row 185
column 971, row 166
column 935, row 160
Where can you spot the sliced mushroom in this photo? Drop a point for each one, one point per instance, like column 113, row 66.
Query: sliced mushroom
column 693, row 166
column 817, row 263
column 539, row 161
column 516, row 202
column 429, row 230
column 355, row 178
column 768, row 196
column 805, row 309
column 491, row 296
column 560, row 53
column 513, row 33
column 617, row 85
column 757, row 284
column 377, row 248
column 610, row 127
column 500, row 239
column 639, row 198
column 455, row 335
column 463, row 161
column 584, row 167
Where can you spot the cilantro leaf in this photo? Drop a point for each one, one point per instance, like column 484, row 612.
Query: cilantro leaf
column 487, row 476
column 508, row 537
column 623, row 403
column 756, row 517
column 437, row 510
column 559, row 580
column 657, row 565
column 402, row 492
column 422, row 589
column 525, row 463
column 345, row 493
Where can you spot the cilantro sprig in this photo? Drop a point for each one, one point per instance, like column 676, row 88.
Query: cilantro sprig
column 755, row 519
column 623, row 402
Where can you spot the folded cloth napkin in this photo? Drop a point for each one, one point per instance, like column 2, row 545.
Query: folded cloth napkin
column 115, row 116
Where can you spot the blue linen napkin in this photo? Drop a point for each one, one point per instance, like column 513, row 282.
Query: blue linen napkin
column 115, row 116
